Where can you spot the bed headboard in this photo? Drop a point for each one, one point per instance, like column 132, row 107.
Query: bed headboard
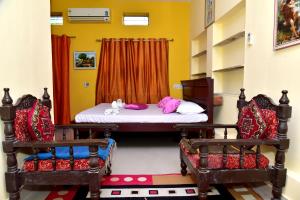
column 200, row 91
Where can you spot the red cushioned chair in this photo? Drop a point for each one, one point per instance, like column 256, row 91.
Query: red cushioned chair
column 59, row 162
column 219, row 161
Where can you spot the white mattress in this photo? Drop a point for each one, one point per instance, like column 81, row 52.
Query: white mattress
column 152, row 114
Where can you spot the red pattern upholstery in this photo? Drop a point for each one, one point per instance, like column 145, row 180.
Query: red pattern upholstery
column 21, row 125
column 251, row 123
column 215, row 160
column 272, row 122
column 40, row 125
column 61, row 165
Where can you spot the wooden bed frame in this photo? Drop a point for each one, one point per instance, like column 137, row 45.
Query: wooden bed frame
column 200, row 91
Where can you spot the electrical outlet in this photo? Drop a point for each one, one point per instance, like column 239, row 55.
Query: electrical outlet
column 177, row 86
column 86, row 84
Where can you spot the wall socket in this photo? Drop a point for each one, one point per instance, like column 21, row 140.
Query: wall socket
column 177, row 86
column 86, row 84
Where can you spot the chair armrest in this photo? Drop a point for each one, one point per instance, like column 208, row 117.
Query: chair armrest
column 82, row 142
column 196, row 143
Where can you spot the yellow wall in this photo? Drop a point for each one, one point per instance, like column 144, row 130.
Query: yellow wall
column 167, row 19
column 25, row 55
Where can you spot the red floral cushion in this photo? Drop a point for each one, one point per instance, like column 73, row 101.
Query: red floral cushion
column 251, row 123
column 40, row 125
column 21, row 125
column 61, row 165
column 272, row 122
column 215, row 160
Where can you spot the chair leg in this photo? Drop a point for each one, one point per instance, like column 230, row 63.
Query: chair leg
column 14, row 195
column 108, row 169
column 202, row 190
column 277, row 192
column 94, row 187
column 183, row 168
column 12, row 185
column 203, row 184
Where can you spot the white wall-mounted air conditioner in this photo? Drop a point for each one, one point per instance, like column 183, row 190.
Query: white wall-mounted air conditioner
column 89, row 14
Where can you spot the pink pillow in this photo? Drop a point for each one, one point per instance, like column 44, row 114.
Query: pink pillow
column 163, row 102
column 136, row 106
column 171, row 106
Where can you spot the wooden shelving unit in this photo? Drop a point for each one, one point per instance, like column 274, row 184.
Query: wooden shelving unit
column 219, row 51
column 198, row 57
column 228, row 58
column 228, row 50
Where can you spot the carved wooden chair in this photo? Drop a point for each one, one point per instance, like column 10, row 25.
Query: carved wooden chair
column 62, row 162
column 221, row 161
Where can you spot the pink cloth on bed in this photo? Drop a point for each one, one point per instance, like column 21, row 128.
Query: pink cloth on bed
column 136, row 106
column 171, row 106
column 163, row 101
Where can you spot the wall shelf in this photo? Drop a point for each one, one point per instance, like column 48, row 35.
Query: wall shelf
column 201, row 53
column 224, row 69
column 231, row 39
column 199, row 74
column 230, row 26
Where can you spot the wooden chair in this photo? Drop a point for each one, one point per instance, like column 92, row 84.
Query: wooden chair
column 221, row 161
column 89, row 171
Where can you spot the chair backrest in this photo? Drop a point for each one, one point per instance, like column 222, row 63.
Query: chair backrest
column 283, row 110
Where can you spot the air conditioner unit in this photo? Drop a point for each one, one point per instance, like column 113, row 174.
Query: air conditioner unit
column 89, row 14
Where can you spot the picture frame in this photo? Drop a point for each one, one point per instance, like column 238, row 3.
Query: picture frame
column 84, row 60
column 286, row 23
column 209, row 12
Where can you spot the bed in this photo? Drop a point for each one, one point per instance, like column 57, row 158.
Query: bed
column 199, row 91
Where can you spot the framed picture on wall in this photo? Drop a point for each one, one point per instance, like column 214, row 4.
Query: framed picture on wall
column 84, row 60
column 287, row 23
column 209, row 12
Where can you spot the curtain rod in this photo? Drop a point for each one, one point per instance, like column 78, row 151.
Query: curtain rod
column 170, row 40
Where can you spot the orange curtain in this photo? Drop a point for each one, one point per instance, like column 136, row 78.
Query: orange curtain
column 135, row 70
column 60, row 68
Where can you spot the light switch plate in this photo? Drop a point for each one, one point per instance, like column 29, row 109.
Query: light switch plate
column 86, row 84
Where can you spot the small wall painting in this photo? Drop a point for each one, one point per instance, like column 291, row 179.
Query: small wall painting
column 84, row 60
column 209, row 12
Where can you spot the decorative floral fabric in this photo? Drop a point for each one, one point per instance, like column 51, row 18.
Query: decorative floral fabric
column 40, row 125
column 61, row 165
column 272, row 122
column 215, row 160
column 21, row 125
column 251, row 123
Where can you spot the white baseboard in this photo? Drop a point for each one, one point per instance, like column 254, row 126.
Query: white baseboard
column 291, row 190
